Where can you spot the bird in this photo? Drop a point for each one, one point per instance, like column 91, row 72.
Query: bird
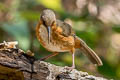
column 58, row 36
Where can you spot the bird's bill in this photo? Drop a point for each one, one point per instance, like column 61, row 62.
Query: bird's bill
column 48, row 29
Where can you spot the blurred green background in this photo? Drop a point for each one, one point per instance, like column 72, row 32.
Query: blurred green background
column 97, row 22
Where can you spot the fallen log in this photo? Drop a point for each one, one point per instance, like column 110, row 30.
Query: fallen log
column 15, row 64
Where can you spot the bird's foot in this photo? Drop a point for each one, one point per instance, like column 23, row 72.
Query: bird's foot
column 70, row 68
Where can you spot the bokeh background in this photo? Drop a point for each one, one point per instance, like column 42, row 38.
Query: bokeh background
column 97, row 22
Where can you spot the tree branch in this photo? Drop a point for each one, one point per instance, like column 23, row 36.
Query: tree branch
column 15, row 64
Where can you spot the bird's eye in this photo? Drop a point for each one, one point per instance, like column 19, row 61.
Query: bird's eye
column 43, row 16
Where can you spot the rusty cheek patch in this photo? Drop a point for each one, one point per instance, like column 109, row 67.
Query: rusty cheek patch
column 37, row 32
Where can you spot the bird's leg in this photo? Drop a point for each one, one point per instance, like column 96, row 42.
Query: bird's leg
column 49, row 56
column 73, row 60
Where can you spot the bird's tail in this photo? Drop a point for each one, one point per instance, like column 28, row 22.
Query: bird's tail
column 79, row 43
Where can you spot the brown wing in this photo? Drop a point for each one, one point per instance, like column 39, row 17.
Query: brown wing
column 67, row 29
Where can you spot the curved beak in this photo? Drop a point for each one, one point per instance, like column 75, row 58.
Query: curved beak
column 48, row 29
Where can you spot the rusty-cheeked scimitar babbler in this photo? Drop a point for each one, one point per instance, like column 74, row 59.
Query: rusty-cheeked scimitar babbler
column 57, row 36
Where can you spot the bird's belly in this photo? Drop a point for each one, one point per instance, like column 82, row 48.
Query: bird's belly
column 53, row 45
column 55, row 48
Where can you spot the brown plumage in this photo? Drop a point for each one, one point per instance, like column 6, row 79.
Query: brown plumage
column 57, row 36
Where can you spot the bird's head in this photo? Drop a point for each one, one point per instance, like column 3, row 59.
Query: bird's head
column 48, row 18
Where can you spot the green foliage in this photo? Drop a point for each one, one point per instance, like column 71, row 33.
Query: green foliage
column 53, row 4
column 107, row 70
column 116, row 28
column 30, row 15
column 3, row 8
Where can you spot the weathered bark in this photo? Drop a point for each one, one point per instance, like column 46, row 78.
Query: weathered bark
column 15, row 64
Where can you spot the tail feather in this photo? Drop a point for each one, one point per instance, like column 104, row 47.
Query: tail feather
column 79, row 43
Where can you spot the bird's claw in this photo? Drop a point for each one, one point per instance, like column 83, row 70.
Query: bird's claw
column 69, row 68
